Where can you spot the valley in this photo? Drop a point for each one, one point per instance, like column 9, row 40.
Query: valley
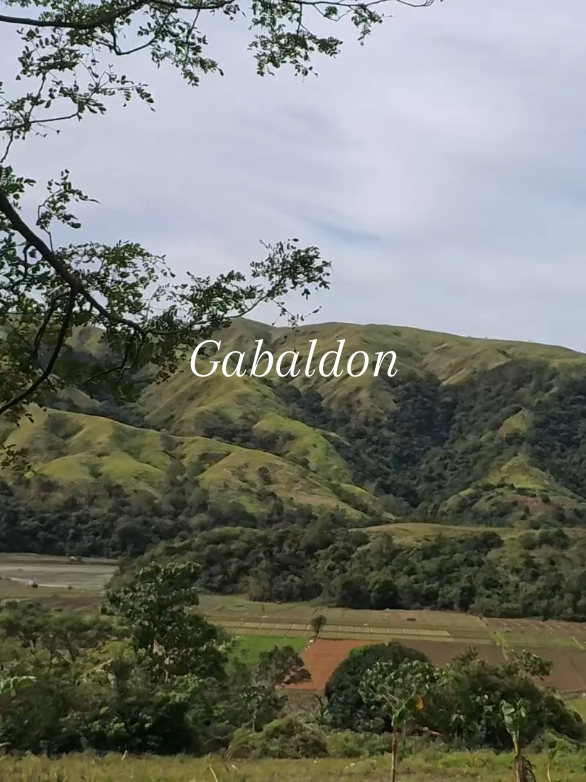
column 67, row 585
column 421, row 515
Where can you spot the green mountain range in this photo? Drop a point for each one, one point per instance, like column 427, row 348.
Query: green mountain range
column 468, row 431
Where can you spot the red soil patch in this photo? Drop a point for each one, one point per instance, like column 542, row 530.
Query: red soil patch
column 323, row 657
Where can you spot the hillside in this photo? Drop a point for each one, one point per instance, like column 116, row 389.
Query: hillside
column 469, row 431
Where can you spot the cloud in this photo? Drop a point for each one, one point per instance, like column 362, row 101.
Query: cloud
column 440, row 167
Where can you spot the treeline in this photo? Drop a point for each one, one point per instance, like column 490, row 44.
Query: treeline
column 77, row 526
column 541, row 574
column 151, row 675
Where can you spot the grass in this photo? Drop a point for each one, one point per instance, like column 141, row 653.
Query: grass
column 417, row 531
column 433, row 765
column 250, row 647
column 77, row 451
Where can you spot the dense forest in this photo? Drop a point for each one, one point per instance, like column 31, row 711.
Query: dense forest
column 540, row 574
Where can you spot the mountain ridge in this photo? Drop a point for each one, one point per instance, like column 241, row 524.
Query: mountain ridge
column 471, row 430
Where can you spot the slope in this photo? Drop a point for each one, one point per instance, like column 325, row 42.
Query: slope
column 468, row 431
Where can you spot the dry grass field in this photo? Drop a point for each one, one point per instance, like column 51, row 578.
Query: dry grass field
column 429, row 766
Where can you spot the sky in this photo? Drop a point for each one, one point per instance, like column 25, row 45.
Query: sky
column 441, row 167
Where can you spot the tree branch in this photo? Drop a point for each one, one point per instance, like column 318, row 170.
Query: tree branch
column 109, row 18
column 61, row 24
column 75, row 284
column 51, row 363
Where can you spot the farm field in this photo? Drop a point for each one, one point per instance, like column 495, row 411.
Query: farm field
column 57, row 572
column 245, row 617
column 259, row 626
column 250, row 647
column 441, row 636
column 432, row 765
column 323, row 656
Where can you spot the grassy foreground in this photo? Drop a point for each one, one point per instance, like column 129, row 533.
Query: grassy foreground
column 426, row 766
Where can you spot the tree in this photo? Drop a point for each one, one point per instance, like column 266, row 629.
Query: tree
column 281, row 666
column 48, row 290
column 346, row 708
column 317, row 624
column 53, row 637
column 158, row 608
column 254, row 687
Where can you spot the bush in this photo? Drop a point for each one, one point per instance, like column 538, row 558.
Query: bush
column 345, row 707
column 348, row 744
column 290, row 737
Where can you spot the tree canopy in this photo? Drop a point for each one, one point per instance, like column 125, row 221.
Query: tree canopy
column 68, row 69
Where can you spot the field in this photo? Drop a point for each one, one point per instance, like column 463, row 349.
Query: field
column 439, row 635
column 259, row 626
column 88, row 575
column 250, row 647
column 432, row 765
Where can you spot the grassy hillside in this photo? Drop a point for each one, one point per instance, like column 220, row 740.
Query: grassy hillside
column 469, row 431
column 459, row 431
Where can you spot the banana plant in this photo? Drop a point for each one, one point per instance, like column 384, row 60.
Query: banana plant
column 385, row 686
column 515, row 718
column 551, row 756
column 400, row 717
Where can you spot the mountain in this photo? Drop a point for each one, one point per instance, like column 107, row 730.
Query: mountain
column 468, row 431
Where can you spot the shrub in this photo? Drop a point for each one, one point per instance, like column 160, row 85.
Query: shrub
column 290, row 737
column 349, row 744
column 346, row 709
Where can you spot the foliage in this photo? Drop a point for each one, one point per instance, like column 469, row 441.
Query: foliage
column 398, row 692
column 318, row 623
column 515, row 717
column 346, row 707
column 66, row 71
column 158, row 606
column 300, row 557
column 462, row 701
column 154, row 677
column 291, row 737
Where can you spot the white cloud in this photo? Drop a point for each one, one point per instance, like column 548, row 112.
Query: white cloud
column 440, row 167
